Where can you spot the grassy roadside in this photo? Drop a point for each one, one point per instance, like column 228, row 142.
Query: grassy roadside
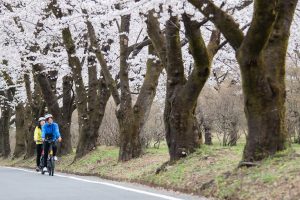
column 211, row 171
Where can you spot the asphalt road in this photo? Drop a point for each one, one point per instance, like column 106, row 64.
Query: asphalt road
column 22, row 184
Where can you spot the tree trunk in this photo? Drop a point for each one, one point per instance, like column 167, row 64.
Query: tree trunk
column 30, row 121
column 207, row 133
column 4, row 128
column 98, row 95
column 182, row 130
column 233, row 135
column 130, row 144
column 20, row 147
column 67, row 110
column 6, row 113
column 145, row 99
column 264, row 88
column 261, row 55
column 264, row 108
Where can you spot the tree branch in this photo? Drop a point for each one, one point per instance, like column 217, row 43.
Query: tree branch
column 100, row 57
column 257, row 37
column 223, row 21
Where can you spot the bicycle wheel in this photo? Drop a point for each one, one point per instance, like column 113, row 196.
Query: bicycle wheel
column 53, row 167
column 49, row 166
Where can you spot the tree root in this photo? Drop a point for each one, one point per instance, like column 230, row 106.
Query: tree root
column 163, row 167
column 248, row 164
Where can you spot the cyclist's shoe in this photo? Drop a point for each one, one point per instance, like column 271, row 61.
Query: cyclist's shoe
column 45, row 169
column 55, row 158
column 37, row 169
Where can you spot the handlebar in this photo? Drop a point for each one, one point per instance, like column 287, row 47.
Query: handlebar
column 49, row 141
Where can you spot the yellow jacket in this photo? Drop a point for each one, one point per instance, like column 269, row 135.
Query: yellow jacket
column 38, row 135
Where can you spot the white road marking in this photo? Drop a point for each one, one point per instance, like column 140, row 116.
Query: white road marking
column 104, row 183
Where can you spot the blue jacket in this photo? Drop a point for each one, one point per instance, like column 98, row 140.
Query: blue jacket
column 50, row 130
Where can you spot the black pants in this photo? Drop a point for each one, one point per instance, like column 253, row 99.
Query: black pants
column 46, row 151
column 39, row 149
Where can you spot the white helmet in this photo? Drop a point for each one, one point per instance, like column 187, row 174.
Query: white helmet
column 41, row 119
column 48, row 116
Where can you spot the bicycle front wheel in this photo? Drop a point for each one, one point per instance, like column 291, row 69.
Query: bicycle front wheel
column 52, row 166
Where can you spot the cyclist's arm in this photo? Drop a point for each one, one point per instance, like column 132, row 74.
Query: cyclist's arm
column 36, row 132
column 43, row 133
column 57, row 133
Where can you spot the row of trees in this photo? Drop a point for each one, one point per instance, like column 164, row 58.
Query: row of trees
column 139, row 44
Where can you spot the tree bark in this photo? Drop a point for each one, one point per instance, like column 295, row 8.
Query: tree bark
column 261, row 56
column 265, row 105
column 4, row 129
column 233, row 135
column 130, row 144
column 98, row 95
column 6, row 112
column 182, row 131
column 147, row 94
column 67, row 110
column 20, row 147
column 207, row 133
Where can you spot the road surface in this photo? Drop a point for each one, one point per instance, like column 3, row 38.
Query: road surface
column 23, row 184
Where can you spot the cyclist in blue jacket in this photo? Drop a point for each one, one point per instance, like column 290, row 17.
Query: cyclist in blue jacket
column 50, row 132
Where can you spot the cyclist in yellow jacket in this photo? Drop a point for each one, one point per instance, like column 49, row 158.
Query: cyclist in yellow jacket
column 38, row 141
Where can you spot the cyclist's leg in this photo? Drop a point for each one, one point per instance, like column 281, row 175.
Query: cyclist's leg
column 39, row 148
column 54, row 148
column 46, row 151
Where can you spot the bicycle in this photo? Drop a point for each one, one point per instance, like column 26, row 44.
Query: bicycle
column 50, row 162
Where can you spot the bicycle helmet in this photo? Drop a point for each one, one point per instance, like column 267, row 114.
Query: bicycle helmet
column 41, row 119
column 48, row 116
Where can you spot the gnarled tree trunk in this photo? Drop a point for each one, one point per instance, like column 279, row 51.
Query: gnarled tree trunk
column 147, row 94
column 130, row 144
column 20, row 147
column 261, row 55
column 67, row 110
column 264, row 92
column 182, row 130
column 98, row 95
column 4, row 129
column 6, row 112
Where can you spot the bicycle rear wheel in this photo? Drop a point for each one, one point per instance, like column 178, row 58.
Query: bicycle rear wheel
column 42, row 164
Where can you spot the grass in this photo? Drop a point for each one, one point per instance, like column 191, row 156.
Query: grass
column 211, row 171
